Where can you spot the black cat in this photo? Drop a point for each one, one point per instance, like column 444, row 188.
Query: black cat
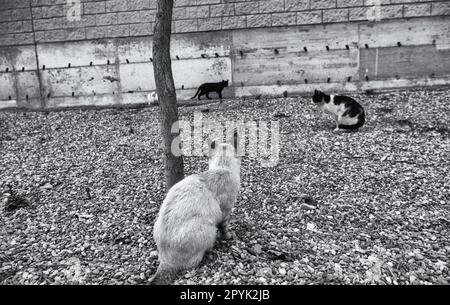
column 206, row 88
column 347, row 112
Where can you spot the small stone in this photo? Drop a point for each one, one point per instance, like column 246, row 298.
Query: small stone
column 47, row 186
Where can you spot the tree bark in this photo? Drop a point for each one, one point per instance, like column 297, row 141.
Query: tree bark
column 165, row 88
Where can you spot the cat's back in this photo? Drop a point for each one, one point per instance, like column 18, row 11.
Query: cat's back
column 346, row 100
column 221, row 181
column 187, row 190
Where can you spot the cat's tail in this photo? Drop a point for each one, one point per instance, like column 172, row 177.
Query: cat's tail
column 198, row 91
column 165, row 275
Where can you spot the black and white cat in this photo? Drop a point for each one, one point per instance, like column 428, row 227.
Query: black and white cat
column 347, row 112
column 206, row 88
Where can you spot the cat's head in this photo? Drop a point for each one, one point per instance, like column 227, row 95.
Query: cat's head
column 318, row 96
column 225, row 82
column 225, row 155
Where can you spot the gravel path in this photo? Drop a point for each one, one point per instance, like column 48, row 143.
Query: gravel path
column 364, row 207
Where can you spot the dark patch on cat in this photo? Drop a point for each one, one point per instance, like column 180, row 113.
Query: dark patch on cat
column 206, row 88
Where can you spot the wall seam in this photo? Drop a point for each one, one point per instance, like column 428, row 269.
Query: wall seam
column 38, row 71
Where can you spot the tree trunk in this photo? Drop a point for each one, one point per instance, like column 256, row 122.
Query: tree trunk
column 165, row 88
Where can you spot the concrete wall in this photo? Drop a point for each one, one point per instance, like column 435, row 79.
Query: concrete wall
column 47, row 59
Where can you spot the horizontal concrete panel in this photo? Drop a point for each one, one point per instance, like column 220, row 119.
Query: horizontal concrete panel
column 186, row 46
column 294, row 68
column 294, row 39
column 191, row 45
column 405, row 62
column 270, row 90
column 80, row 53
column 81, row 81
column 308, row 89
column 417, row 31
column 18, row 58
column 7, row 87
column 82, row 101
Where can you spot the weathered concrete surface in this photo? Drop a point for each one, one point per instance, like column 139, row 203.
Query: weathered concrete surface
column 81, row 81
column 78, row 54
column 269, row 61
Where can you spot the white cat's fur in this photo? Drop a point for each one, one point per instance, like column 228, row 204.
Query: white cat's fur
column 152, row 98
column 192, row 211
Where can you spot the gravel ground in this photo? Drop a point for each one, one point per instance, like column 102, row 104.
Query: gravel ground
column 351, row 207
